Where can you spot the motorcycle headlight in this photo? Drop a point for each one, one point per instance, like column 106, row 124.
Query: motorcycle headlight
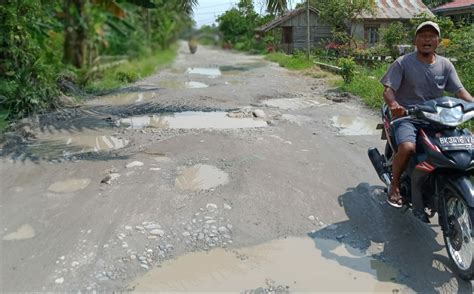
column 450, row 116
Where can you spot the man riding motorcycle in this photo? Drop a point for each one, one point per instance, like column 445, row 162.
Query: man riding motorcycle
column 411, row 80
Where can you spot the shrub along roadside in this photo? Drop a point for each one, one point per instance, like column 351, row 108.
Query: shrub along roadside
column 131, row 71
column 3, row 119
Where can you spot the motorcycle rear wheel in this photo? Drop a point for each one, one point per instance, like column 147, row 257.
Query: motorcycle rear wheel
column 460, row 242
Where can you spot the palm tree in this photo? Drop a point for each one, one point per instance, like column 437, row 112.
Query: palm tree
column 277, row 6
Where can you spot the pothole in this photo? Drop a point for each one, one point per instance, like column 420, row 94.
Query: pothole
column 195, row 85
column 68, row 145
column 295, row 263
column 179, row 85
column 211, row 72
column 200, row 177
column 24, row 232
column 297, row 119
column 354, row 126
column 125, row 98
column 69, row 186
column 191, row 120
column 293, row 103
column 239, row 68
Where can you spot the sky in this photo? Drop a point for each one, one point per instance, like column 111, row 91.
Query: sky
column 208, row 10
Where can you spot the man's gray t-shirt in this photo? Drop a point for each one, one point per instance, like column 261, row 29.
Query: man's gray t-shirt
column 415, row 82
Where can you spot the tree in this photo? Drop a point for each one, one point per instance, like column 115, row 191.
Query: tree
column 394, row 34
column 340, row 13
column 277, row 6
column 434, row 3
column 83, row 20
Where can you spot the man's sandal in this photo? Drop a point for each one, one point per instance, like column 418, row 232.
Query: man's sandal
column 397, row 203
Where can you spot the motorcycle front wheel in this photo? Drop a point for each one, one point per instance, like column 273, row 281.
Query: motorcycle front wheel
column 459, row 240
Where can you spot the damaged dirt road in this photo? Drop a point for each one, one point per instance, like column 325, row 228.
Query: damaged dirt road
column 223, row 172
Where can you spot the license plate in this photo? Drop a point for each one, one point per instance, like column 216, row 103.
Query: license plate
column 457, row 142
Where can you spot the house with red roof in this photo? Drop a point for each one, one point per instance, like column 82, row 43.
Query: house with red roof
column 458, row 10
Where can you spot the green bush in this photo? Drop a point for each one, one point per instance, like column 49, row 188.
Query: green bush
column 461, row 47
column 347, row 66
column 366, row 85
column 27, row 75
column 394, row 34
column 127, row 76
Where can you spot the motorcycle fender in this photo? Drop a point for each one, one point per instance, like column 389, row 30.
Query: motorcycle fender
column 463, row 186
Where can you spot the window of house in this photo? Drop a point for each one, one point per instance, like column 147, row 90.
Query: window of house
column 372, row 34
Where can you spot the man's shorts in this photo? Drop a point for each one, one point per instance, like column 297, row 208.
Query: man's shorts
column 406, row 131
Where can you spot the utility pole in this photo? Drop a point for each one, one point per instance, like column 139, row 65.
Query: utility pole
column 308, row 35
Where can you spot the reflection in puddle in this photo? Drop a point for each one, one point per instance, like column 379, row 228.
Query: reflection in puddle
column 54, row 146
column 293, row 262
column 192, row 120
column 229, row 69
column 195, row 85
column 292, row 103
column 179, row 85
column 69, row 186
column 234, row 83
column 24, row 232
column 353, row 126
column 201, row 177
column 210, row 72
column 125, row 98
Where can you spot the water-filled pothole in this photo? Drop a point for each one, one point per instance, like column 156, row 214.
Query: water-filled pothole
column 200, row 177
column 354, row 126
column 235, row 69
column 73, row 144
column 293, row 262
column 191, row 120
column 69, row 186
column 179, row 85
column 211, row 72
column 125, row 98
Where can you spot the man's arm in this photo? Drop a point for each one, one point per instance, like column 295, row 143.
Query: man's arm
column 464, row 95
column 396, row 109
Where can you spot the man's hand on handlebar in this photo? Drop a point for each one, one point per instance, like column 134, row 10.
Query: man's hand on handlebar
column 397, row 110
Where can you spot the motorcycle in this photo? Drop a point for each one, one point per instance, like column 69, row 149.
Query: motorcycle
column 439, row 174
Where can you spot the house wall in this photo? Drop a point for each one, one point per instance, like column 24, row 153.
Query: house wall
column 319, row 31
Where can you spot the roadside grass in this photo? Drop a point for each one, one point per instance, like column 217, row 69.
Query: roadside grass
column 131, row 71
column 293, row 62
column 3, row 120
column 366, row 84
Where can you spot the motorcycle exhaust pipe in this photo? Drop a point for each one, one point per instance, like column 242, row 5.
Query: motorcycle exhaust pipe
column 377, row 162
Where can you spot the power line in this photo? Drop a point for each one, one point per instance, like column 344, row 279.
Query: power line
column 211, row 6
column 209, row 13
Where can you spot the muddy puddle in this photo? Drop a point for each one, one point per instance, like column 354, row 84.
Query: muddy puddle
column 200, row 177
column 66, row 145
column 125, row 98
column 293, row 103
column 180, row 85
column 22, row 233
column 240, row 68
column 210, row 72
column 301, row 264
column 69, row 186
column 355, row 126
column 191, row 120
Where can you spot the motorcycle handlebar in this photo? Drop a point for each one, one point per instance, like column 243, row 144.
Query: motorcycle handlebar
column 410, row 113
